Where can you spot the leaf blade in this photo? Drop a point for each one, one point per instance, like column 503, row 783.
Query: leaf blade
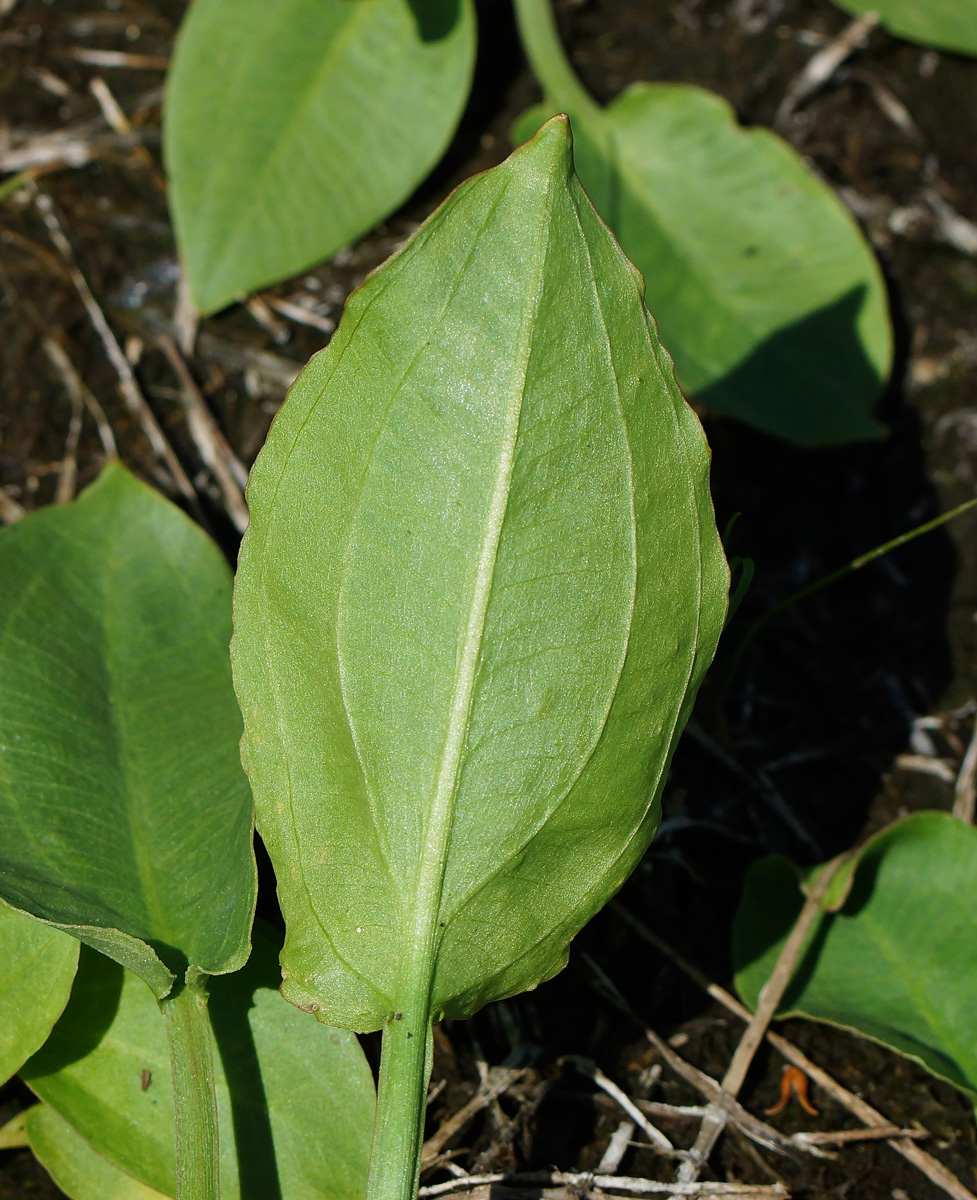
column 39, row 966
column 74, row 1166
column 947, row 24
column 896, row 962
column 280, row 1080
column 291, row 129
column 750, row 262
column 120, row 783
column 341, row 804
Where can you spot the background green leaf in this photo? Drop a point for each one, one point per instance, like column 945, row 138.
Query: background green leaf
column 898, row 962
column 126, row 815
column 295, row 1098
column 949, row 24
column 37, row 965
column 480, row 587
column 74, row 1166
column 293, row 128
column 763, row 289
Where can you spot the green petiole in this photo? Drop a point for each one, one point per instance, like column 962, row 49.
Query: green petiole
column 195, row 1100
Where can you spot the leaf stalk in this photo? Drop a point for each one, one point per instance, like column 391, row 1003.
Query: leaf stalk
column 405, row 1068
column 195, row 1099
column 541, row 39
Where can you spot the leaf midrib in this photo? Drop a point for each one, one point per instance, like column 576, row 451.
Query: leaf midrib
column 463, row 901
column 435, row 848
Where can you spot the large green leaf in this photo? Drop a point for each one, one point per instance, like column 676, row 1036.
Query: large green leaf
column 949, row 24
column 292, row 128
column 763, row 289
column 480, row 587
column 37, row 965
column 126, row 815
column 295, row 1098
column 898, row 961
column 74, row 1166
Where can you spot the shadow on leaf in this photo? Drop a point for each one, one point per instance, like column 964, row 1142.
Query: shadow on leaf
column 232, row 1001
column 830, row 375
column 435, row 19
column 87, row 1017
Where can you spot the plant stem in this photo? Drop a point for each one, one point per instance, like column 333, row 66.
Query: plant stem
column 405, row 1068
column 191, row 1059
column 541, row 39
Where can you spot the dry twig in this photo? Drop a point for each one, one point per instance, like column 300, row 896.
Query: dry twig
column 755, row 1129
column 278, row 371
column 931, row 1167
column 116, row 58
column 71, row 147
column 304, row 316
column 68, row 474
column 228, row 470
column 617, row 1147
column 841, row 1137
column 497, row 1080
column 822, row 66
column 10, row 510
column 186, row 319
column 76, row 388
column 259, row 309
column 610, row 1183
column 655, row 1108
column 128, row 387
column 114, row 115
column 940, row 767
column 655, row 1136
column 965, row 791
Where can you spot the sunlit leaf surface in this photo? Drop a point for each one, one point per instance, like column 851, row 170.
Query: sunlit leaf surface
column 292, row 128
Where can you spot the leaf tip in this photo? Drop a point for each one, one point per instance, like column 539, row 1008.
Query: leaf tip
column 552, row 144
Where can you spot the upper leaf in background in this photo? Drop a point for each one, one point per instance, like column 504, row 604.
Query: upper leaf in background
column 481, row 585
column 126, row 815
column 295, row 1098
column 37, row 965
column 292, row 128
column 949, row 24
column 764, row 291
column 74, row 1166
column 898, row 962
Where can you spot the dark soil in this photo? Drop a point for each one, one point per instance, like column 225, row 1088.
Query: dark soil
column 794, row 752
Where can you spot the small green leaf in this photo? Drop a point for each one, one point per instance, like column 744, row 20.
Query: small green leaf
column 126, row 815
column 292, row 128
column 38, row 966
column 948, row 24
column 480, row 587
column 74, row 1166
column 763, row 289
column 295, row 1098
column 898, row 962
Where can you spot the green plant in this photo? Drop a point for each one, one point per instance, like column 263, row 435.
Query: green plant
column 892, row 955
column 480, row 588
column 949, row 24
column 443, row 651
column 127, row 826
column 752, row 264
column 291, row 129
column 281, row 1081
